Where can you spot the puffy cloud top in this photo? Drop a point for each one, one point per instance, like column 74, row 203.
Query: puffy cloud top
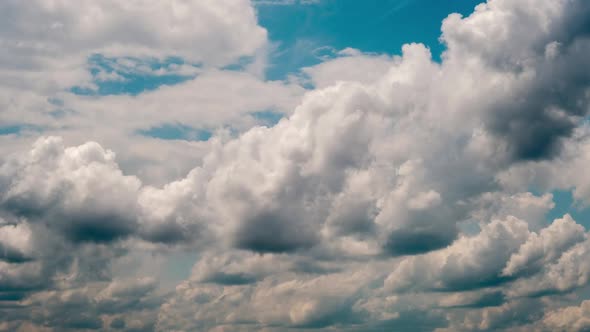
column 392, row 197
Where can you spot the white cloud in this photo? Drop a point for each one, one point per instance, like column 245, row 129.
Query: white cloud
column 350, row 65
column 137, row 28
column 73, row 188
column 545, row 247
column 354, row 200
column 16, row 242
column 470, row 262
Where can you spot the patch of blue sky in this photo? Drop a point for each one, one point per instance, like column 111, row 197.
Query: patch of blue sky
column 299, row 29
column 18, row 129
column 129, row 75
column 565, row 203
column 268, row 118
column 55, row 102
column 178, row 267
column 59, row 111
column 176, row 132
column 240, row 65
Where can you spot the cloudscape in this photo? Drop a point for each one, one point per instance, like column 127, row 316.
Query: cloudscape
column 294, row 165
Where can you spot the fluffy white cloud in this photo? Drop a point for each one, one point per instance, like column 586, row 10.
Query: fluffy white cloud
column 548, row 245
column 349, row 65
column 64, row 34
column 506, row 253
column 73, row 189
column 214, row 99
column 522, row 205
column 16, row 242
column 470, row 262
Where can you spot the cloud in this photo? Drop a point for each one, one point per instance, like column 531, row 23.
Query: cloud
column 81, row 193
column 15, row 243
column 41, row 69
column 295, row 300
column 470, row 262
column 139, row 28
column 538, row 49
column 468, row 279
column 503, row 253
column 519, row 315
column 358, row 67
column 388, row 198
column 98, row 306
column 551, row 242
column 72, row 189
column 573, row 318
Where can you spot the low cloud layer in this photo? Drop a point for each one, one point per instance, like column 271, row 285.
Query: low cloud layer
column 408, row 195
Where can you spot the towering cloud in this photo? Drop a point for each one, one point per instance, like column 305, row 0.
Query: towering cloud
column 391, row 201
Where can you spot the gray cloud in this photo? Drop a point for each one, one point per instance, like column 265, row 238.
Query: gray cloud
column 573, row 318
column 540, row 110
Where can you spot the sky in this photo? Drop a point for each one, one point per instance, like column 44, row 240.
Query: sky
column 294, row 165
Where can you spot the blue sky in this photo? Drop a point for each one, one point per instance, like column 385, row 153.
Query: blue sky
column 380, row 26
column 130, row 80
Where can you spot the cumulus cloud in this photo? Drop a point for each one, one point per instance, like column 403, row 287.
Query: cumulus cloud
column 470, row 262
column 533, row 52
column 363, row 68
column 47, row 64
column 97, row 306
column 82, row 194
column 573, row 318
column 549, row 244
column 72, row 189
column 15, row 243
column 390, row 197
